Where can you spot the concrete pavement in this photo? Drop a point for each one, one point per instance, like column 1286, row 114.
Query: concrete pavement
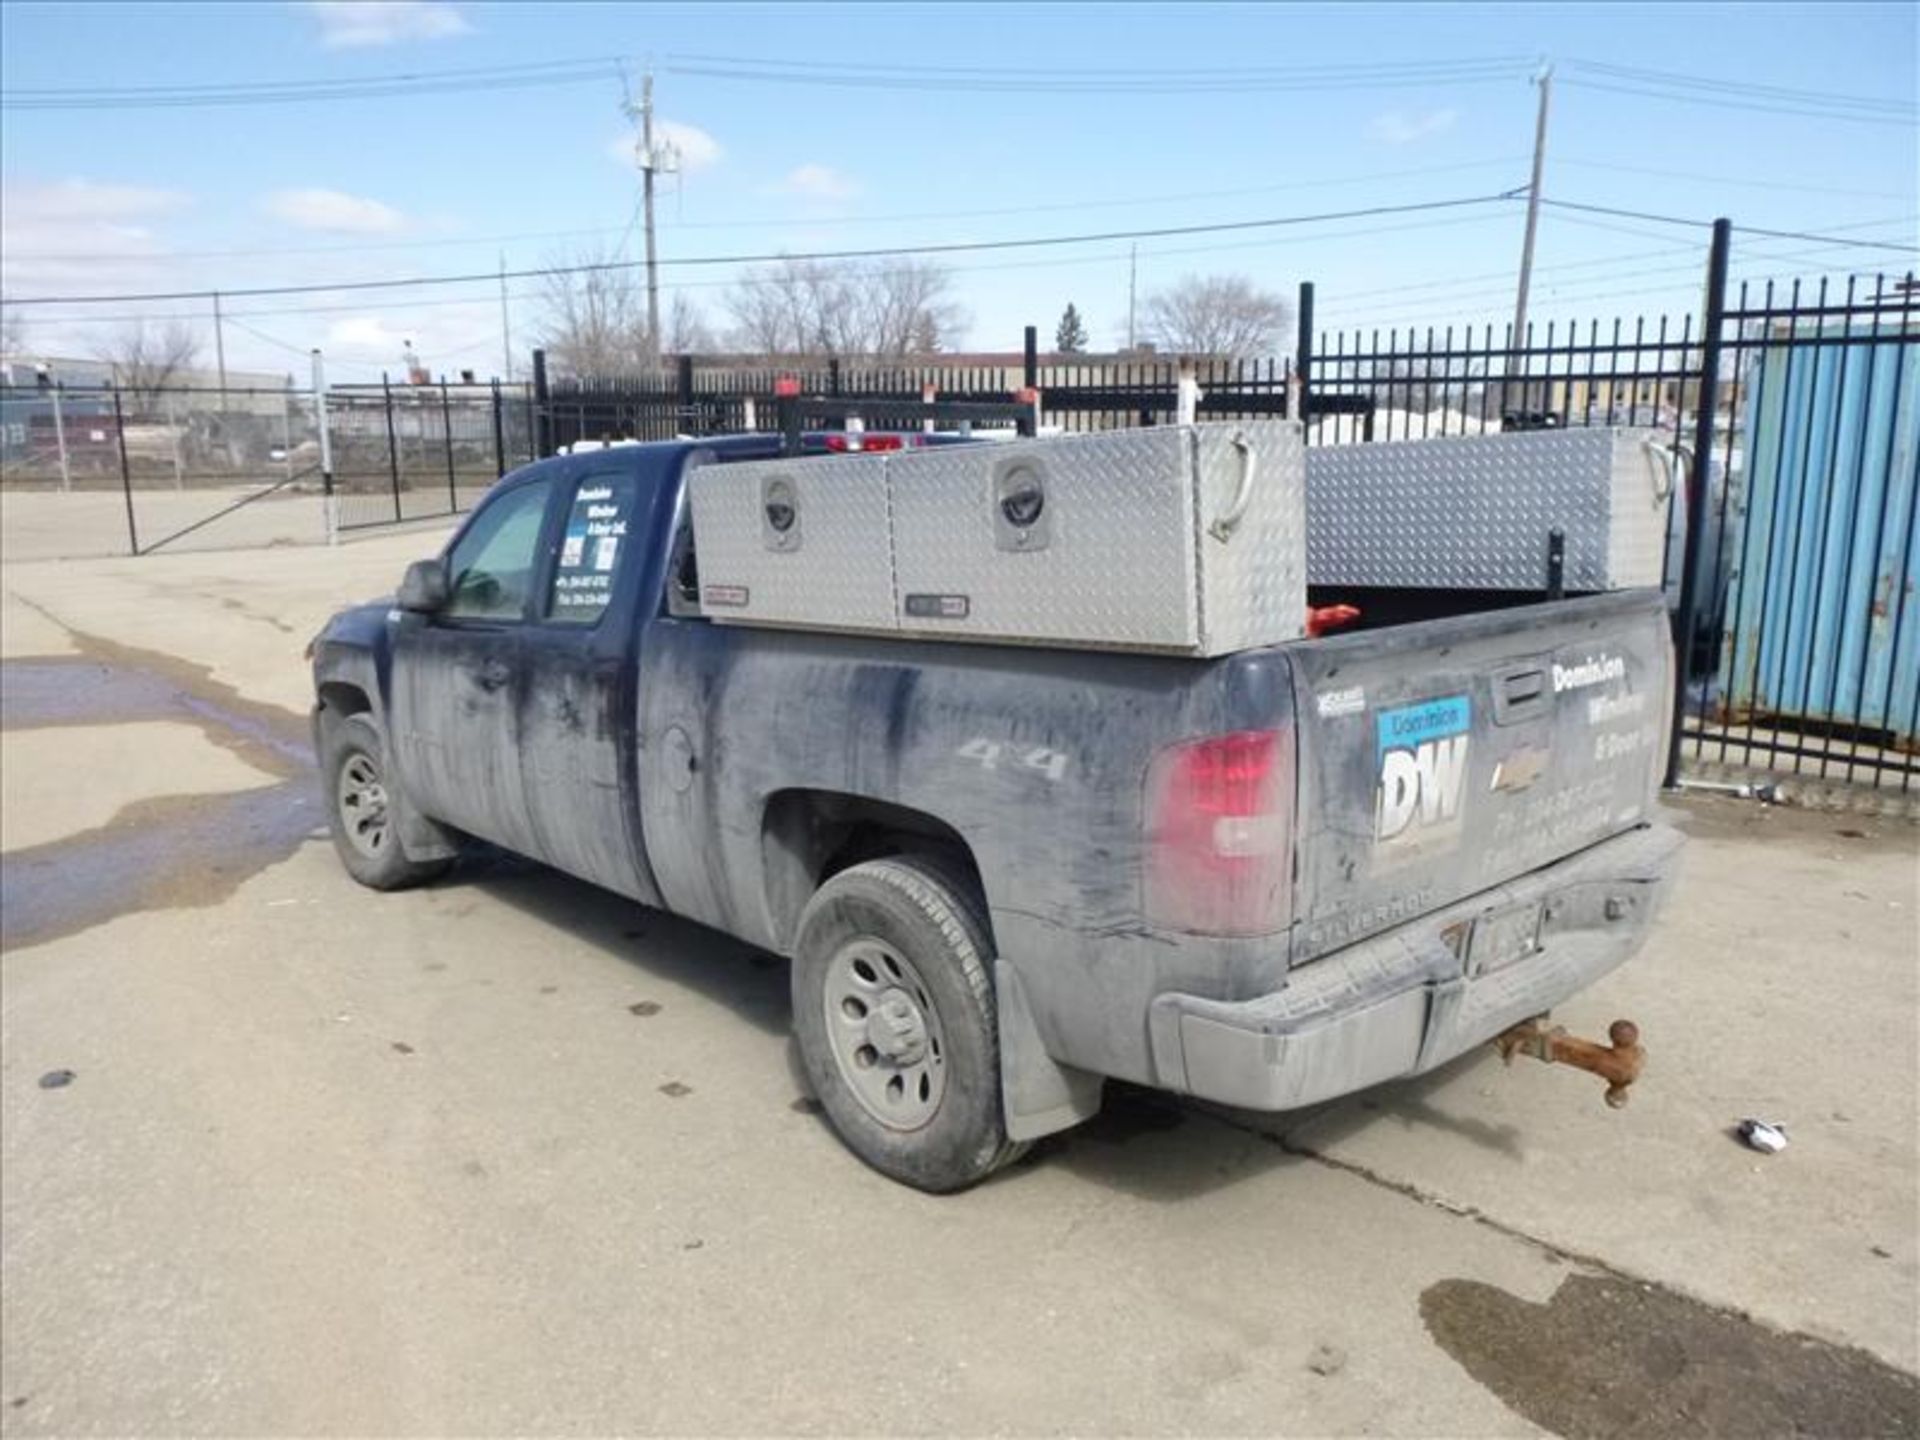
column 509, row 1155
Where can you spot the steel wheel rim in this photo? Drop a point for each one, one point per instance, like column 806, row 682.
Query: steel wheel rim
column 361, row 801
column 885, row 1034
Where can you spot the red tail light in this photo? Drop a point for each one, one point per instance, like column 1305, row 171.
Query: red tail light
column 863, row 444
column 1220, row 834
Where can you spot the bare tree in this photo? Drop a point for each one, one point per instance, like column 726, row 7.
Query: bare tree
column 885, row 309
column 1224, row 315
column 148, row 360
column 596, row 315
column 686, row 331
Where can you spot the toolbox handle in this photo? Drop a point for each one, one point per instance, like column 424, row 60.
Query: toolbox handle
column 1229, row 521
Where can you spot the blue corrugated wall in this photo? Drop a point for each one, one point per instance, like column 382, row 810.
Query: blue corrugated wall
column 1825, row 618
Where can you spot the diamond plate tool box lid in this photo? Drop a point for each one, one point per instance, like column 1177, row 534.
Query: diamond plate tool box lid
column 1180, row 539
column 801, row 542
column 1474, row 512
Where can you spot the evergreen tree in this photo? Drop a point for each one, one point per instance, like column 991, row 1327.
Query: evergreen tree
column 1070, row 337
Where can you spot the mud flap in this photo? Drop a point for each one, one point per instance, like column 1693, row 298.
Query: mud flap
column 1038, row 1094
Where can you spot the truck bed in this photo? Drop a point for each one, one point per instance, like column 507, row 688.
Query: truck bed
column 1504, row 740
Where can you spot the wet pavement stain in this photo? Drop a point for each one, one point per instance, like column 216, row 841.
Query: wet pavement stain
column 1608, row 1357
column 179, row 850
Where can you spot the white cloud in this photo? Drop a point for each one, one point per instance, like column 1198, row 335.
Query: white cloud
column 367, row 334
column 88, row 200
column 1397, row 127
column 334, row 211
column 348, row 24
column 818, row 182
column 81, row 234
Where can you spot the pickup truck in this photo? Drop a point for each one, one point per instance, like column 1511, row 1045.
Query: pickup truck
column 1004, row 874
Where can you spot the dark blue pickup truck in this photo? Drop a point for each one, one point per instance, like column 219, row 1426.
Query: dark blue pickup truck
column 1002, row 873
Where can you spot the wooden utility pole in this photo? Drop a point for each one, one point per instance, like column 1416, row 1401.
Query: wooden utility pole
column 506, row 328
column 1133, row 276
column 1545, row 81
column 220, row 348
column 648, row 164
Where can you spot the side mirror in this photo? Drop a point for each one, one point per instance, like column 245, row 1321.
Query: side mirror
column 426, row 588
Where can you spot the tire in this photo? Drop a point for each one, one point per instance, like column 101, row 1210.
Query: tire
column 359, row 814
column 922, row 1010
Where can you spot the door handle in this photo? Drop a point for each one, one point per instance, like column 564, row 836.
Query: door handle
column 494, row 674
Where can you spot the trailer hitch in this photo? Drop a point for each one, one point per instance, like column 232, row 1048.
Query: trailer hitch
column 1618, row 1064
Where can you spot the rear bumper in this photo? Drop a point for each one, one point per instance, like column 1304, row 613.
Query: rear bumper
column 1415, row 997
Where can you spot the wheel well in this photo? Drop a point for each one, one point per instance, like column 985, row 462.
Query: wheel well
column 341, row 698
column 809, row 836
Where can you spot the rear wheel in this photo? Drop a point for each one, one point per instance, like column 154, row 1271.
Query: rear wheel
column 360, row 809
column 894, row 1012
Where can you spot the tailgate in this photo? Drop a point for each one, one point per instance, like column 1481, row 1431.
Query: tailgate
column 1441, row 758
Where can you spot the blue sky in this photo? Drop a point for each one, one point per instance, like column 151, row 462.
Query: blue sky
column 109, row 201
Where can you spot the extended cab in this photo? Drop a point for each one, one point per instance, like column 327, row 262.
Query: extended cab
column 1005, row 874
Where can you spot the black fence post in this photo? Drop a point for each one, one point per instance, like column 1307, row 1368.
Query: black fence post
column 446, row 432
column 1030, row 358
column 499, row 435
column 788, row 406
column 684, row 384
column 393, row 445
column 1303, row 351
column 542, row 419
column 1705, row 403
column 126, row 474
column 833, row 375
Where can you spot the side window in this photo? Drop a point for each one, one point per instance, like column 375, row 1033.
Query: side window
column 492, row 565
column 599, row 520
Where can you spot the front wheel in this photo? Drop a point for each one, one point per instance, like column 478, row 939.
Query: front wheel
column 360, row 809
column 894, row 1012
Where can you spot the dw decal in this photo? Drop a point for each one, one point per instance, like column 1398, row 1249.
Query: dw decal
column 1422, row 753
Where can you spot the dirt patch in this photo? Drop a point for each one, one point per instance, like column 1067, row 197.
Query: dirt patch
column 1608, row 1357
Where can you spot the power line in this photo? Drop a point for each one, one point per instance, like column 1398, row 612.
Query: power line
column 1700, row 176
column 753, row 280
column 1732, row 104
column 828, row 222
column 1747, row 229
column 1679, row 81
column 813, row 66
column 888, row 79
column 870, row 252
column 239, row 324
column 282, row 92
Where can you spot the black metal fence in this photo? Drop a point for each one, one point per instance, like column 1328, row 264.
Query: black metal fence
column 128, row 469
column 1796, row 407
column 421, row 452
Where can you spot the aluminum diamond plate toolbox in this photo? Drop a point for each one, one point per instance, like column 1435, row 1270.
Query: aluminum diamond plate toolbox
column 1181, row 539
column 795, row 542
column 1474, row 512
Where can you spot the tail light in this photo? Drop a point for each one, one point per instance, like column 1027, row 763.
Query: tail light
column 855, row 442
column 1220, row 834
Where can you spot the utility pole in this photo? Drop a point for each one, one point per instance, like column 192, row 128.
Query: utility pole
column 1545, row 81
column 1133, row 276
column 653, row 159
column 220, row 348
column 646, row 180
column 506, row 329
